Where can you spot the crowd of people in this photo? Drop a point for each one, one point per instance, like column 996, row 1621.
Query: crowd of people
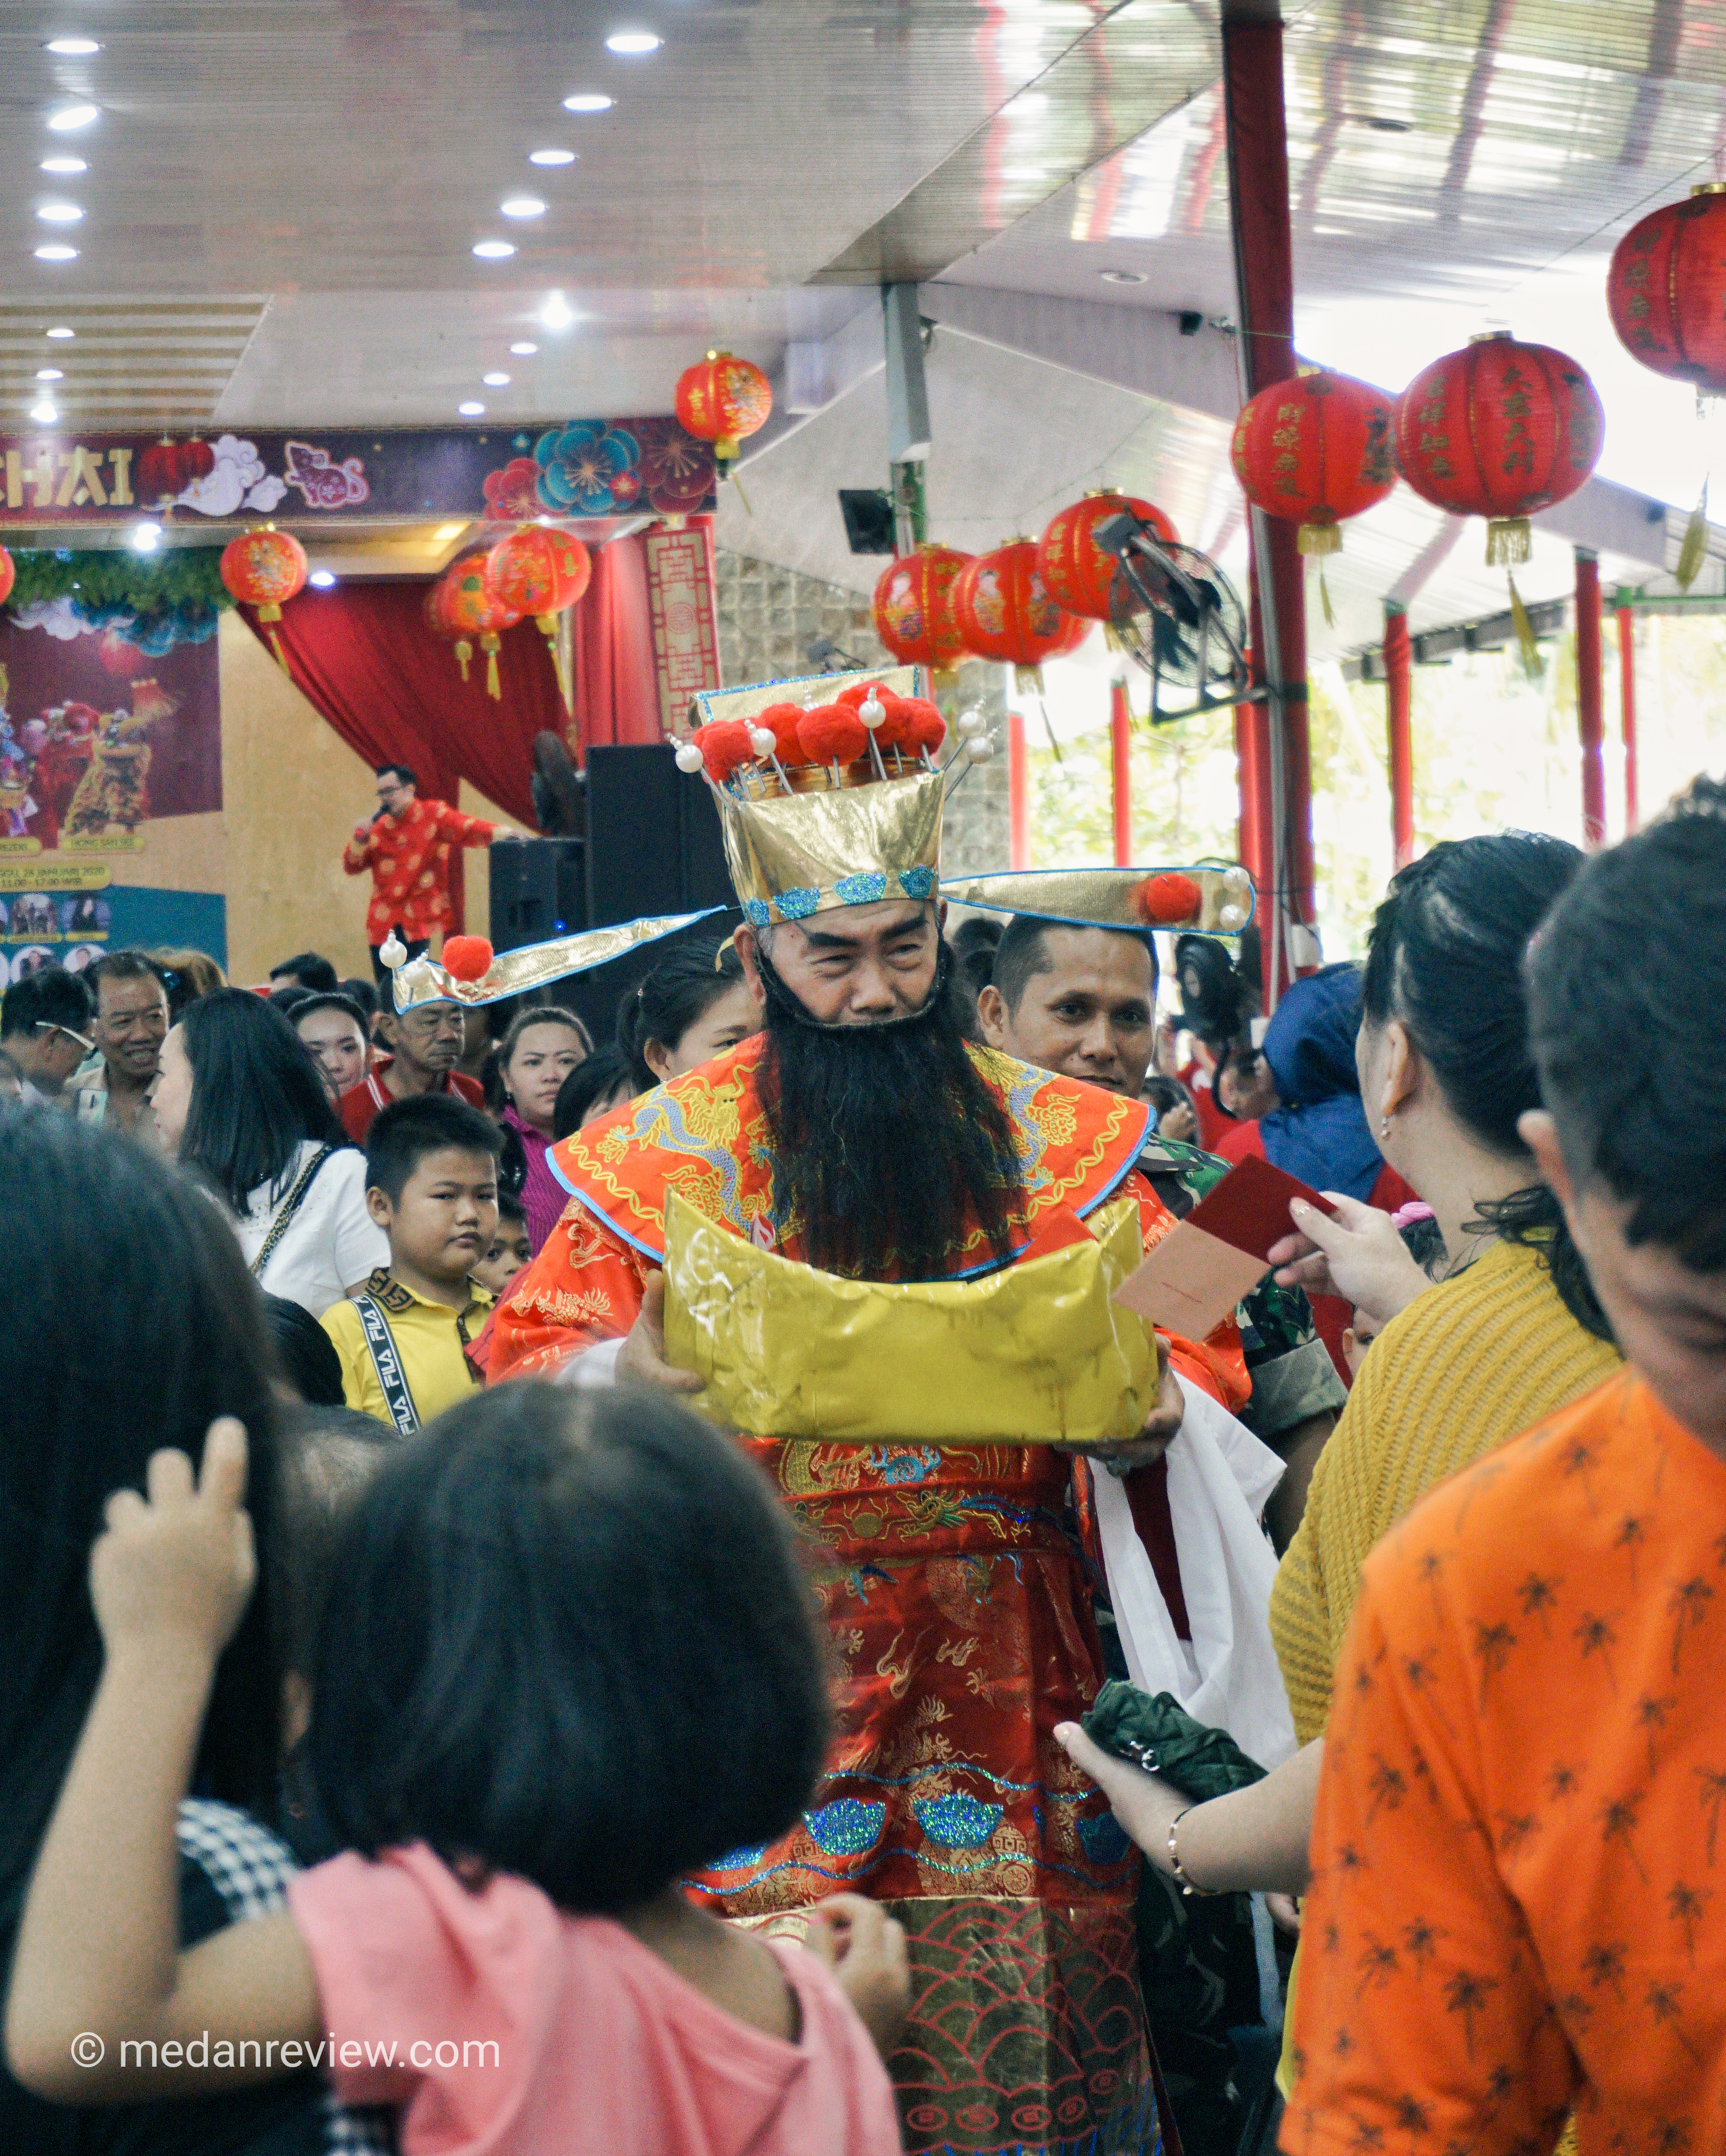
column 402, row 1672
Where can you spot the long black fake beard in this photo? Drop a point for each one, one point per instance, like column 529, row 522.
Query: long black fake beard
column 889, row 1148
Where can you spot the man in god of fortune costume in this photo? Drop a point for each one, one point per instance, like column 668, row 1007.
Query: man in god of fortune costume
column 859, row 1134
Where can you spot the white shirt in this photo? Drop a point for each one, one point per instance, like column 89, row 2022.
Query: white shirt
column 330, row 1244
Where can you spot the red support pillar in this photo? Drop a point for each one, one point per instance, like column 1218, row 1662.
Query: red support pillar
column 1018, row 794
column 1257, row 137
column 1398, row 702
column 1121, row 772
column 1590, row 698
column 1627, row 705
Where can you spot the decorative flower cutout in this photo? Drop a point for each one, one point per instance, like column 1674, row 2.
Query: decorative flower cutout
column 589, row 468
column 676, row 469
column 512, row 491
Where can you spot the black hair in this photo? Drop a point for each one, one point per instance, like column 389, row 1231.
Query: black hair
column 1446, row 957
column 122, row 966
column 305, row 1352
column 288, row 1000
column 680, row 991
column 335, row 999
column 568, row 1636
column 361, row 994
column 1626, row 1034
column 1160, row 1093
column 328, row 1453
column 257, row 1096
column 96, row 1225
column 310, row 968
column 403, row 1133
column 49, row 997
column 593, row 1079
column 509, row 1206
column 404, row 771
column 1223, row 1005
column 1023, row 952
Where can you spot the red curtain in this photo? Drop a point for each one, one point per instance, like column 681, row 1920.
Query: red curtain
column 614, row 679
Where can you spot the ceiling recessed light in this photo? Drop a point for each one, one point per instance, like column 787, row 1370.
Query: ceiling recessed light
column 64, row 166
column 470, row 410
column 323, row 578
column 631, row 43
column 551, row 156
column 524, row 351
column 61, row 330
column 44, row 413
column 50, row 374
column 74, row 49
column 60, row 212
column 494, row 381
column 69, row 117
column 588, row 100
column 556, row 314
column 493, row 250
column 1124, row 276
column 55, row 252
column 523, row 206
column 146, row 537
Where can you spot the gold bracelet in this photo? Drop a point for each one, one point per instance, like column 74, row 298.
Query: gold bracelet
column 1177, row 1871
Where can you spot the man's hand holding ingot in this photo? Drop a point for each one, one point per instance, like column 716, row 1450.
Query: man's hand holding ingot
column 1162, row 1425
column 642, row 1361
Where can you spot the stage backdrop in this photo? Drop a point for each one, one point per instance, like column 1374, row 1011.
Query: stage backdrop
column 110, row 797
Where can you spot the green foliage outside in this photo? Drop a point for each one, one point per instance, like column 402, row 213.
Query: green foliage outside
column 1494, row 751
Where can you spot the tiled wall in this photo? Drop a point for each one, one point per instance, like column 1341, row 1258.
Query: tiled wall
column 768, row 617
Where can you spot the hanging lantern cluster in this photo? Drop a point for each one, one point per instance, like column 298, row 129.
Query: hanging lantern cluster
column 1004, row 610
column 265, row 568
column 542, row 571
column 720, row 400
column 1077, row 571
column 913, row 608
column 461, row 608
column 1315, row 450
column 1666, row 290
column 168, row 468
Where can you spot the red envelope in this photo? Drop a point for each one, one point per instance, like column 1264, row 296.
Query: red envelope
column 1203, row 1267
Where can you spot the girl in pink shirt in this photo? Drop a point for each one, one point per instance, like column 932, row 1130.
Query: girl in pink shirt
column 568, row 1657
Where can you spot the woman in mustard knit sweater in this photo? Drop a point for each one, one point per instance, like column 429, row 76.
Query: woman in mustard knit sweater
column 1511, row 1332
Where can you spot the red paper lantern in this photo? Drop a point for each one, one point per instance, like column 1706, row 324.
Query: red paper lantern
column 1315, row 450
column 119, row 657
column 1499, row 430
column 913, row 607
column 1004, row 610
column 168, row 468
column 265, row 568
column 542, row 572
column 721, row 399
column 1078, row 572
column 1667, row 289
column 8, row 575
column 467, row 958
column 471, row 611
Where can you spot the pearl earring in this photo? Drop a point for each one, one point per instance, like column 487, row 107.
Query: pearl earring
column 1384, row 1126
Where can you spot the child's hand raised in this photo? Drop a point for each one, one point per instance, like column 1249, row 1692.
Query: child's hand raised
column 866, row 1949
column 179, row 1564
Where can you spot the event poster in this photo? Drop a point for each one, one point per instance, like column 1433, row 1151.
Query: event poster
column 104, row 752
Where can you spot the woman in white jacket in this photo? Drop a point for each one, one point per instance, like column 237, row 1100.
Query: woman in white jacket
column 240, row 1100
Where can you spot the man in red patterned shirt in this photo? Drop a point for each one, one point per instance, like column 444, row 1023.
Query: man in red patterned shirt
column 407, row 846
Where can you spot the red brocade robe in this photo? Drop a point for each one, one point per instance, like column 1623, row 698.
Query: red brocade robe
column 961, row 1625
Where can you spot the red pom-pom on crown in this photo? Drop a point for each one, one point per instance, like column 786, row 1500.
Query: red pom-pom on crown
column 782, row 722
column 725, row 745
column 1170, row 901
column 832, row 733
column 924, row 727
column 467, row 958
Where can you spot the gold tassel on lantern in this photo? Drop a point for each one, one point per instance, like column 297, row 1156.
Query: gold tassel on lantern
column 1027, row 678
column 554, row 651
column 489, row 644
column 1693, row 552
column 1319, row 539
column 1526, row 642
column 464, row 652
column 1330, row 617
column 269, row 615
column 1510, row 540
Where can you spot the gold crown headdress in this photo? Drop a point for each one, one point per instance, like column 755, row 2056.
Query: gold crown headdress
column 827, row 789
column 1210, row 898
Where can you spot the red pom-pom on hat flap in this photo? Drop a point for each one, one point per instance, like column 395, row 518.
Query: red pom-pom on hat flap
column 859, row 693
column 832, row 733
column 925, row 729
column 782, row 722
column 467, row 958
column 1170, row 901
column 724, row 746
column 894, row 730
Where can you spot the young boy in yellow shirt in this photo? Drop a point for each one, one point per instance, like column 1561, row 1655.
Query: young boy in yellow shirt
column 431, row 1185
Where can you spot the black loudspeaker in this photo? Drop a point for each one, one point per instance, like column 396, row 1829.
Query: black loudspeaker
column 654, row 842
column 538, row 890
